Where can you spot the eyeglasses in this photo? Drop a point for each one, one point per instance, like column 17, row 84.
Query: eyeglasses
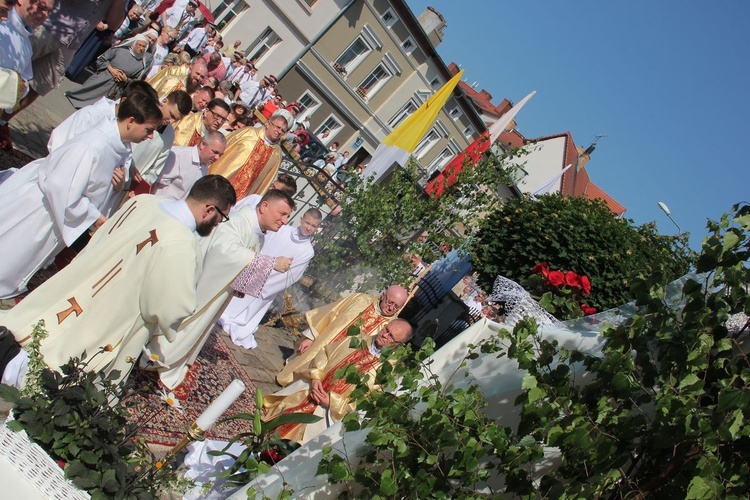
column 281, row 128
column 224, row 217
column 217, row 117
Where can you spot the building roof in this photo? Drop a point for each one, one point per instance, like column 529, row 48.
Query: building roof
column 594, row 192
column 576, row 182
column 482, row 99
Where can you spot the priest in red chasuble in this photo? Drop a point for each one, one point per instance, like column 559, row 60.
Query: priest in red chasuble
column 321, row 393
column 330, row 323
column 253, row 155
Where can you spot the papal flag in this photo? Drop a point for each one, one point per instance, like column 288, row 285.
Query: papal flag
column 474, row 151
column 399, row 145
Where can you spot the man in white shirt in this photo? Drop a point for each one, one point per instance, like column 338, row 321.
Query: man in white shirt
column 179, row 14
column 67, row 25
column 254, row 94
column 194, row 43
column 187, row 164
column 16, row 55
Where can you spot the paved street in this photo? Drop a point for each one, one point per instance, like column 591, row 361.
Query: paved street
column 31, row 128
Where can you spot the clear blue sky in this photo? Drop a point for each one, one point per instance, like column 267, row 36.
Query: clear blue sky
column 668, row 81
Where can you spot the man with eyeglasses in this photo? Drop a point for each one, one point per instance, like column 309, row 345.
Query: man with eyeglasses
column 330, row 323
column 319, row 392
column 136, row 278
column 190, row 130
column 232, row 262
column 253, row 155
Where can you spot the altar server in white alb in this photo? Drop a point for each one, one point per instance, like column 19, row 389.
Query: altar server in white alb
column 89, row 116
column 136, row 278
column 244, row 314
column 50, row 202
column 231, row 262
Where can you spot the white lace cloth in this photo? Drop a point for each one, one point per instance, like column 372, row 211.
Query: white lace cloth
column 518, row 303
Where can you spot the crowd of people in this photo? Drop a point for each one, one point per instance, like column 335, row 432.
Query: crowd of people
column 162, row 192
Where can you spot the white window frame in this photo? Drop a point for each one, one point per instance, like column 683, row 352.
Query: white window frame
column 378, row 84
column 402, row 114
column 455, row 113
column 324, row 125
column 390, row 22
column 263, row 46
column 307, row 111
column 357, row 60
column 426, row 144
column 441, row 160
column 470, row 131
column 408, row 51
column 435, row 83
column 228, row 9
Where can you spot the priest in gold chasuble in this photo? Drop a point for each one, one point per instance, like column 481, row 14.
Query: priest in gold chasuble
column 253, row 155
column 190, row 130
column 321, row 393
column 187, row 78
column 330, row 323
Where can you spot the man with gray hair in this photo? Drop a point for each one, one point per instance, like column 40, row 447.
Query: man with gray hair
column 187, row 164
column 253, row 155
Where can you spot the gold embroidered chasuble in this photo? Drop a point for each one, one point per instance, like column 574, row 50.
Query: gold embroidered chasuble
column 169, row 79
column 231, row 248
column 136, row 278
column 248, row 162
column 330, row 323
column 323, row 367
column 189, row 130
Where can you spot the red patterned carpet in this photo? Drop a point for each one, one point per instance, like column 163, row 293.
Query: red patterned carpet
column 214, row 369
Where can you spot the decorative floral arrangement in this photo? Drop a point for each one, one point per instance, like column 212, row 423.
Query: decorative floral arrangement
column 79, row 418
column 563, row 293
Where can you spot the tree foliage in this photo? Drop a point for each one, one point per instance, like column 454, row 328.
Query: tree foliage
column 580, row 235
column 664, row 413
column 378, row 223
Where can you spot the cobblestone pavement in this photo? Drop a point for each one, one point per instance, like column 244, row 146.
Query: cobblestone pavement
column 30, row 132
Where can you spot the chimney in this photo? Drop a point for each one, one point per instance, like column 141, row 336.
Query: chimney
column 433, row 24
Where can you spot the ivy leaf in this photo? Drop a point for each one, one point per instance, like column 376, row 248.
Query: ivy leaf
column 528, row 382
column 9, row 393
column 699, row 489
column 527, row 441
column 731, row 238
column 387, row 484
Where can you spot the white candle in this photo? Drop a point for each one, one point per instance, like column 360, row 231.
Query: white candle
column 220, row 405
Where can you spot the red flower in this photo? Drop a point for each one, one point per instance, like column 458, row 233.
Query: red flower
column 587, row 309
column 556, row 278
column 60, row 463
column 572, row 279
column 271, row 457
column 541, row 268
column 586, row 284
